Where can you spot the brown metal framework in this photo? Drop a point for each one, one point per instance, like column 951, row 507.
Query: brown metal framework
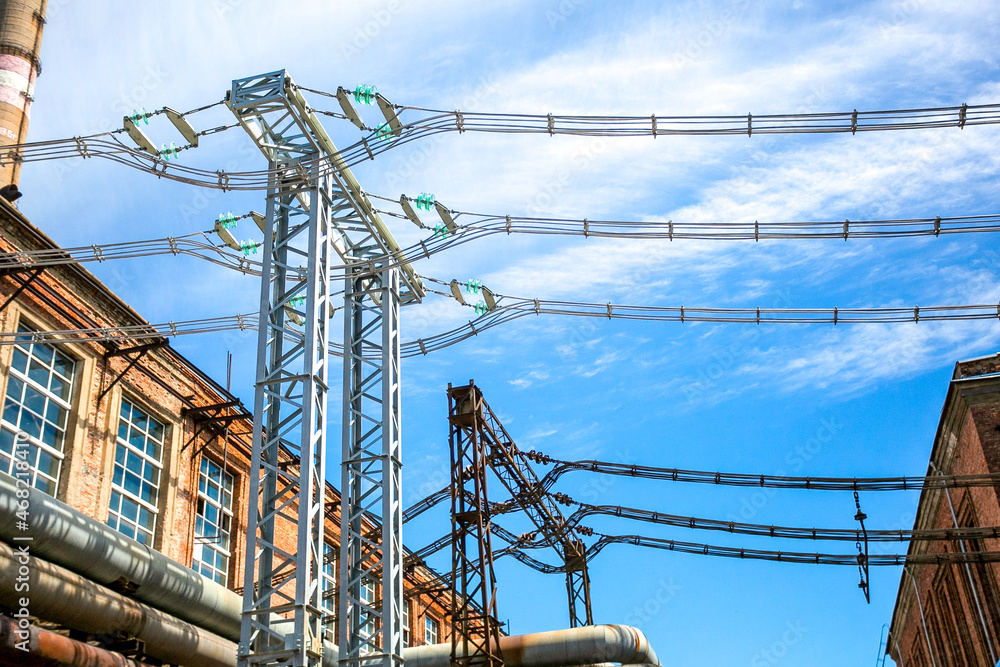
column 475, row 635
column 512, row 468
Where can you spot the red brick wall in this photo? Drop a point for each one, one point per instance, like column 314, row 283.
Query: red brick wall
column 968, row 443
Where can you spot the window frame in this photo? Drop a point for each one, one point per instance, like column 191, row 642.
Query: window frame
column 214, row 542
column 153, row 508
column 65, row 407
column 432, row 627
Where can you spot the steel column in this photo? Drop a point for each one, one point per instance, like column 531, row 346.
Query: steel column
column 371, row 629
column 311, row 181
column 475, row 635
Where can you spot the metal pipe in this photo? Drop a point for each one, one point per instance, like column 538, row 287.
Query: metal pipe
column 968, row 574
column 66, row 537
column 570, row 648
column 923, row 622
column 93, row 550
column 55, row 594
column 49, row 649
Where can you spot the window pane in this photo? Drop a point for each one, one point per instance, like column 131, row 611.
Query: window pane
column 20, row 360
column 39, row 372
column 136, row 480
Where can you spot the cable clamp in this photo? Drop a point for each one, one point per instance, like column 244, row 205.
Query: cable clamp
column 364, row 140
column 508, row 224
column 653, row 117
column 240, row 323
column 937, row 226
column 749, row 125
column 847, row 228
column 854, row 121
column 537, row 307
column 173, row 245
column 758, row 314
column 81, row 147
column 962, row 113
column 756, row 231
column 682, row 312
column 223, row 180
column 423, row 348
column 173, row 328
column 460, row 121
column 609, row 311
column 98, row 253
column 552, row 125
column 423, row 245
column 670, row 230
column 834, row 316
column 586, row 228
column 916, row 313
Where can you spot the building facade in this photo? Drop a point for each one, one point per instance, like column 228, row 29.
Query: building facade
column 132, row 434
column 949, row 615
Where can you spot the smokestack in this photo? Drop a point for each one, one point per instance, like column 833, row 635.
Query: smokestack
column 21, row 24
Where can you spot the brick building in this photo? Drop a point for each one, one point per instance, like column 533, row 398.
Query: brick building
column 134, row 435
column 949, row 615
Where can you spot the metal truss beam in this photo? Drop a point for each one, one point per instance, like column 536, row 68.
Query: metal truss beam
column 312, row 189
column 475, row 635
column 514, row 472
column 371, row 630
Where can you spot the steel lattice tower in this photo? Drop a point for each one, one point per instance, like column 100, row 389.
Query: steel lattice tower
column 316, row 208
column 475, row 634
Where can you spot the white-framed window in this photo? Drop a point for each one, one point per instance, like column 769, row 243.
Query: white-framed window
column 330, row 586
column 37, row 404
column 135, row 485
column 431, row 630
column 213, row 522
column 406, row 623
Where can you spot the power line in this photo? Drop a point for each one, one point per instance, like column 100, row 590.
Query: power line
column 761, row 481
column 172, row 245
column 107, row 146
column 483, row 225
column 114, row 334
column 945, row 558
column 761, row 530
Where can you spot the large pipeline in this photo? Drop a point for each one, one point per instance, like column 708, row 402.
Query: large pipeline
column 60, row 596
column 570, row 648
column 83, row 545
column 93, row 550
column 49, row 649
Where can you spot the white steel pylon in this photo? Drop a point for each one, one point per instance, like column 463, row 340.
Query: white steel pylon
column 316, row 208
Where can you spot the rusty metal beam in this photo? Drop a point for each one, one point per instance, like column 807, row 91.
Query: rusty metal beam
column 475, row 635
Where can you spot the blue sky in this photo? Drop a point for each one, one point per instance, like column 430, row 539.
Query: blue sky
column 852, row 400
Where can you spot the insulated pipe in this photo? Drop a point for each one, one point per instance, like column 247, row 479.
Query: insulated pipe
column 66, row 537
column 49, row 649
column 55, row 594
column 21, row 25
column 89, row 548
column 573, row 647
